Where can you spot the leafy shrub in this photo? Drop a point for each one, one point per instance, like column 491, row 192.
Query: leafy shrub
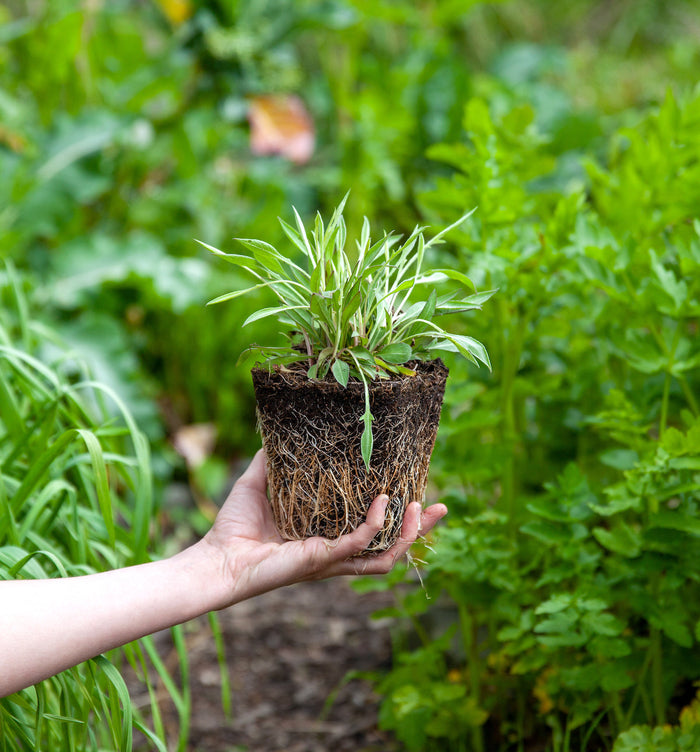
column 575, row 599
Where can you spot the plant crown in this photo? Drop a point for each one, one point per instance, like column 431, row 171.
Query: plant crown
column 361, row 317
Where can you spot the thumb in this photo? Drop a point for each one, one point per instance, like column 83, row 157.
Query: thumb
column 254, row 478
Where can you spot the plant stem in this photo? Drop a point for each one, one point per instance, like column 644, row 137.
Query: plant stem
column 420, row 630
column 664, row 404
column 614, row 699
column 667, row 380
column 657, row 677
column 640, row 690
column 556, row 735
column 688, row 394
column 309, row 349
column 567, row 736
column 511, row 362
column 468, row 628
column 520, row 719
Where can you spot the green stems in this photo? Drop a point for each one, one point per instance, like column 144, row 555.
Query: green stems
column 651, row 692
column 667, row 381
column 468, row 628
column 657, row 677
column 512, row 351
column 618, row 714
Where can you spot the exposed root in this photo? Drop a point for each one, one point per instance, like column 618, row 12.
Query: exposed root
column 311, row 430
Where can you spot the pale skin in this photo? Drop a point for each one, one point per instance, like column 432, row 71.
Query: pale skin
column 50, row 625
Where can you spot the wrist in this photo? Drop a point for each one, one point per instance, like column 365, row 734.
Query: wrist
column 203, row 572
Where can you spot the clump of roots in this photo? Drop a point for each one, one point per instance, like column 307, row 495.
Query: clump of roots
column 317, row 481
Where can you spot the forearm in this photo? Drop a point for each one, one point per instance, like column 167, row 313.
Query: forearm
column 49, row 625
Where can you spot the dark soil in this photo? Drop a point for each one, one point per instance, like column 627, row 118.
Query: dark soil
column 288, row 651
column 311, row 430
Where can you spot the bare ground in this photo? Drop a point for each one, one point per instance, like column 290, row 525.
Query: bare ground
column 288, row 652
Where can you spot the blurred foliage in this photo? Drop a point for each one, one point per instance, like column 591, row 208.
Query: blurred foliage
column 124, row 136
column 568, row 571
column 76, row 497
column 570, row 565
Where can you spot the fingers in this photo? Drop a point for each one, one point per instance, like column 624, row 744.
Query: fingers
column 352, row 543
column 384, row 562
column 430, row 517
column 254, row 477
column 415, row 523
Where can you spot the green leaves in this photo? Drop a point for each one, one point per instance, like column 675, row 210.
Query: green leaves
column 579, row 598
column 75, row 498
column 265, row 312
column 469, row 348
column 621, row 539
column 572, row 621
column 367, row 440
column 659, row 739
column 341, row 371
column 397, row 353
column 363, row 317
column 365, row 304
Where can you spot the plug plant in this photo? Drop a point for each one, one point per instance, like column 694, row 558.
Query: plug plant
column 364, row 326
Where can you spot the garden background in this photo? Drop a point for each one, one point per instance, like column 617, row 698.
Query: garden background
column 564, row 591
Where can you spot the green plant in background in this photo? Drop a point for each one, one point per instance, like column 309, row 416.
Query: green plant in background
column 509, row 247
column 75, row 498
column 116, row 160
column 579, row 593
column 123, row 134
column 143, row 156
column 356, row 316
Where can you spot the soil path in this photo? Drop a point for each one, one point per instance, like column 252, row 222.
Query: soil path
column 288, row 651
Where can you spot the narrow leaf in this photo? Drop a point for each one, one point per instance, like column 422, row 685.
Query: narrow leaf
column 265, row 312
column 233, row 258
column 437, row 238
column 101, row 481
column 265, row 254
column 440, row 275
column 470, row 347
column 428, row 310
column 237, row 293
column 367, row 441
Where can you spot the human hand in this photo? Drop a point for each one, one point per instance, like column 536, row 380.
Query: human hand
column 253, row 558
